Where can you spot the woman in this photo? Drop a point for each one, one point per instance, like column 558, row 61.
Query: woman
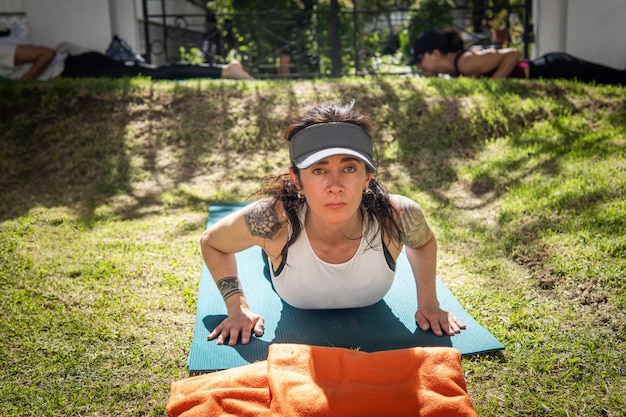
column 330, row 231
column 24, row 60
column 443, row 52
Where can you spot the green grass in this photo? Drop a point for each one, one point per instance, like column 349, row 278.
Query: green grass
column 104, row 189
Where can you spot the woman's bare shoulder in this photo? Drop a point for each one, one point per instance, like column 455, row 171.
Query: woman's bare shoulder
column 413, row 223
column 478, row 62
column 400, row 201
column 265, row 218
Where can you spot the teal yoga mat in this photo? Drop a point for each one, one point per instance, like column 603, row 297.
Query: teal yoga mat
column 388, row 324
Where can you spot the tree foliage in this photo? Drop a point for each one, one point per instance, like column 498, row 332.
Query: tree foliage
column 261, row 31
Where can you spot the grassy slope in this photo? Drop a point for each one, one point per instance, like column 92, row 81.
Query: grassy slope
column 104, row 189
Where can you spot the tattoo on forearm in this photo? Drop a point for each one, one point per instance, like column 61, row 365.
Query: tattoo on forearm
column 413, row 224
column 229, row 286
column 262, row 221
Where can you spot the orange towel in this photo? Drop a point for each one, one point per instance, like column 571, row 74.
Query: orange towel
column 241, row 391
column 301, row 380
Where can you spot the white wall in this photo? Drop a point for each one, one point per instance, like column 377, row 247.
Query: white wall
column 601, row 33
column 592, row 30
column 11, row 6
column 550, row 18
column 124, row 21
column 83, row 22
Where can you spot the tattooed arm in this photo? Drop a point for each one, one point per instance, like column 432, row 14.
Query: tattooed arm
column 257, row 224
column 421, row 250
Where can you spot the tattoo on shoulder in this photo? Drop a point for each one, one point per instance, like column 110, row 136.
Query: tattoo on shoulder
column 413, row 223
column 262, row 221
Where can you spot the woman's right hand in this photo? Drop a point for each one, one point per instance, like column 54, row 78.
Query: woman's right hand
column 243, row 323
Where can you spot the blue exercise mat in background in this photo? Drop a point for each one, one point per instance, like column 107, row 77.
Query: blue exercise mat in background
column 388, row 324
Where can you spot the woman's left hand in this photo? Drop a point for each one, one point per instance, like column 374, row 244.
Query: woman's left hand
column 439, row 321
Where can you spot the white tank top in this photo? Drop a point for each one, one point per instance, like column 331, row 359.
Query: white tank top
column 308, row 282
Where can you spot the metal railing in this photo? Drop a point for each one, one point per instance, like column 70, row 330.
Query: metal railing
column 308, row 43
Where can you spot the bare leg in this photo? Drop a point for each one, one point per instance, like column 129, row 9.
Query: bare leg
column 235, row 71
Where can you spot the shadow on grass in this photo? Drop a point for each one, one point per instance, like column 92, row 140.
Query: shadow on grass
column 61, row 145
column 80, row 143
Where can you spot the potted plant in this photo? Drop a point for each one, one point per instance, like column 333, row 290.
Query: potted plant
column 497, row 22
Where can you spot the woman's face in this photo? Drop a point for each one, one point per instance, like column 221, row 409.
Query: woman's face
column 333, row 187
column 431, row 63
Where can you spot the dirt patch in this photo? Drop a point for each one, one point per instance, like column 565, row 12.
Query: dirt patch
column 534, row 263
column 589, row 293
